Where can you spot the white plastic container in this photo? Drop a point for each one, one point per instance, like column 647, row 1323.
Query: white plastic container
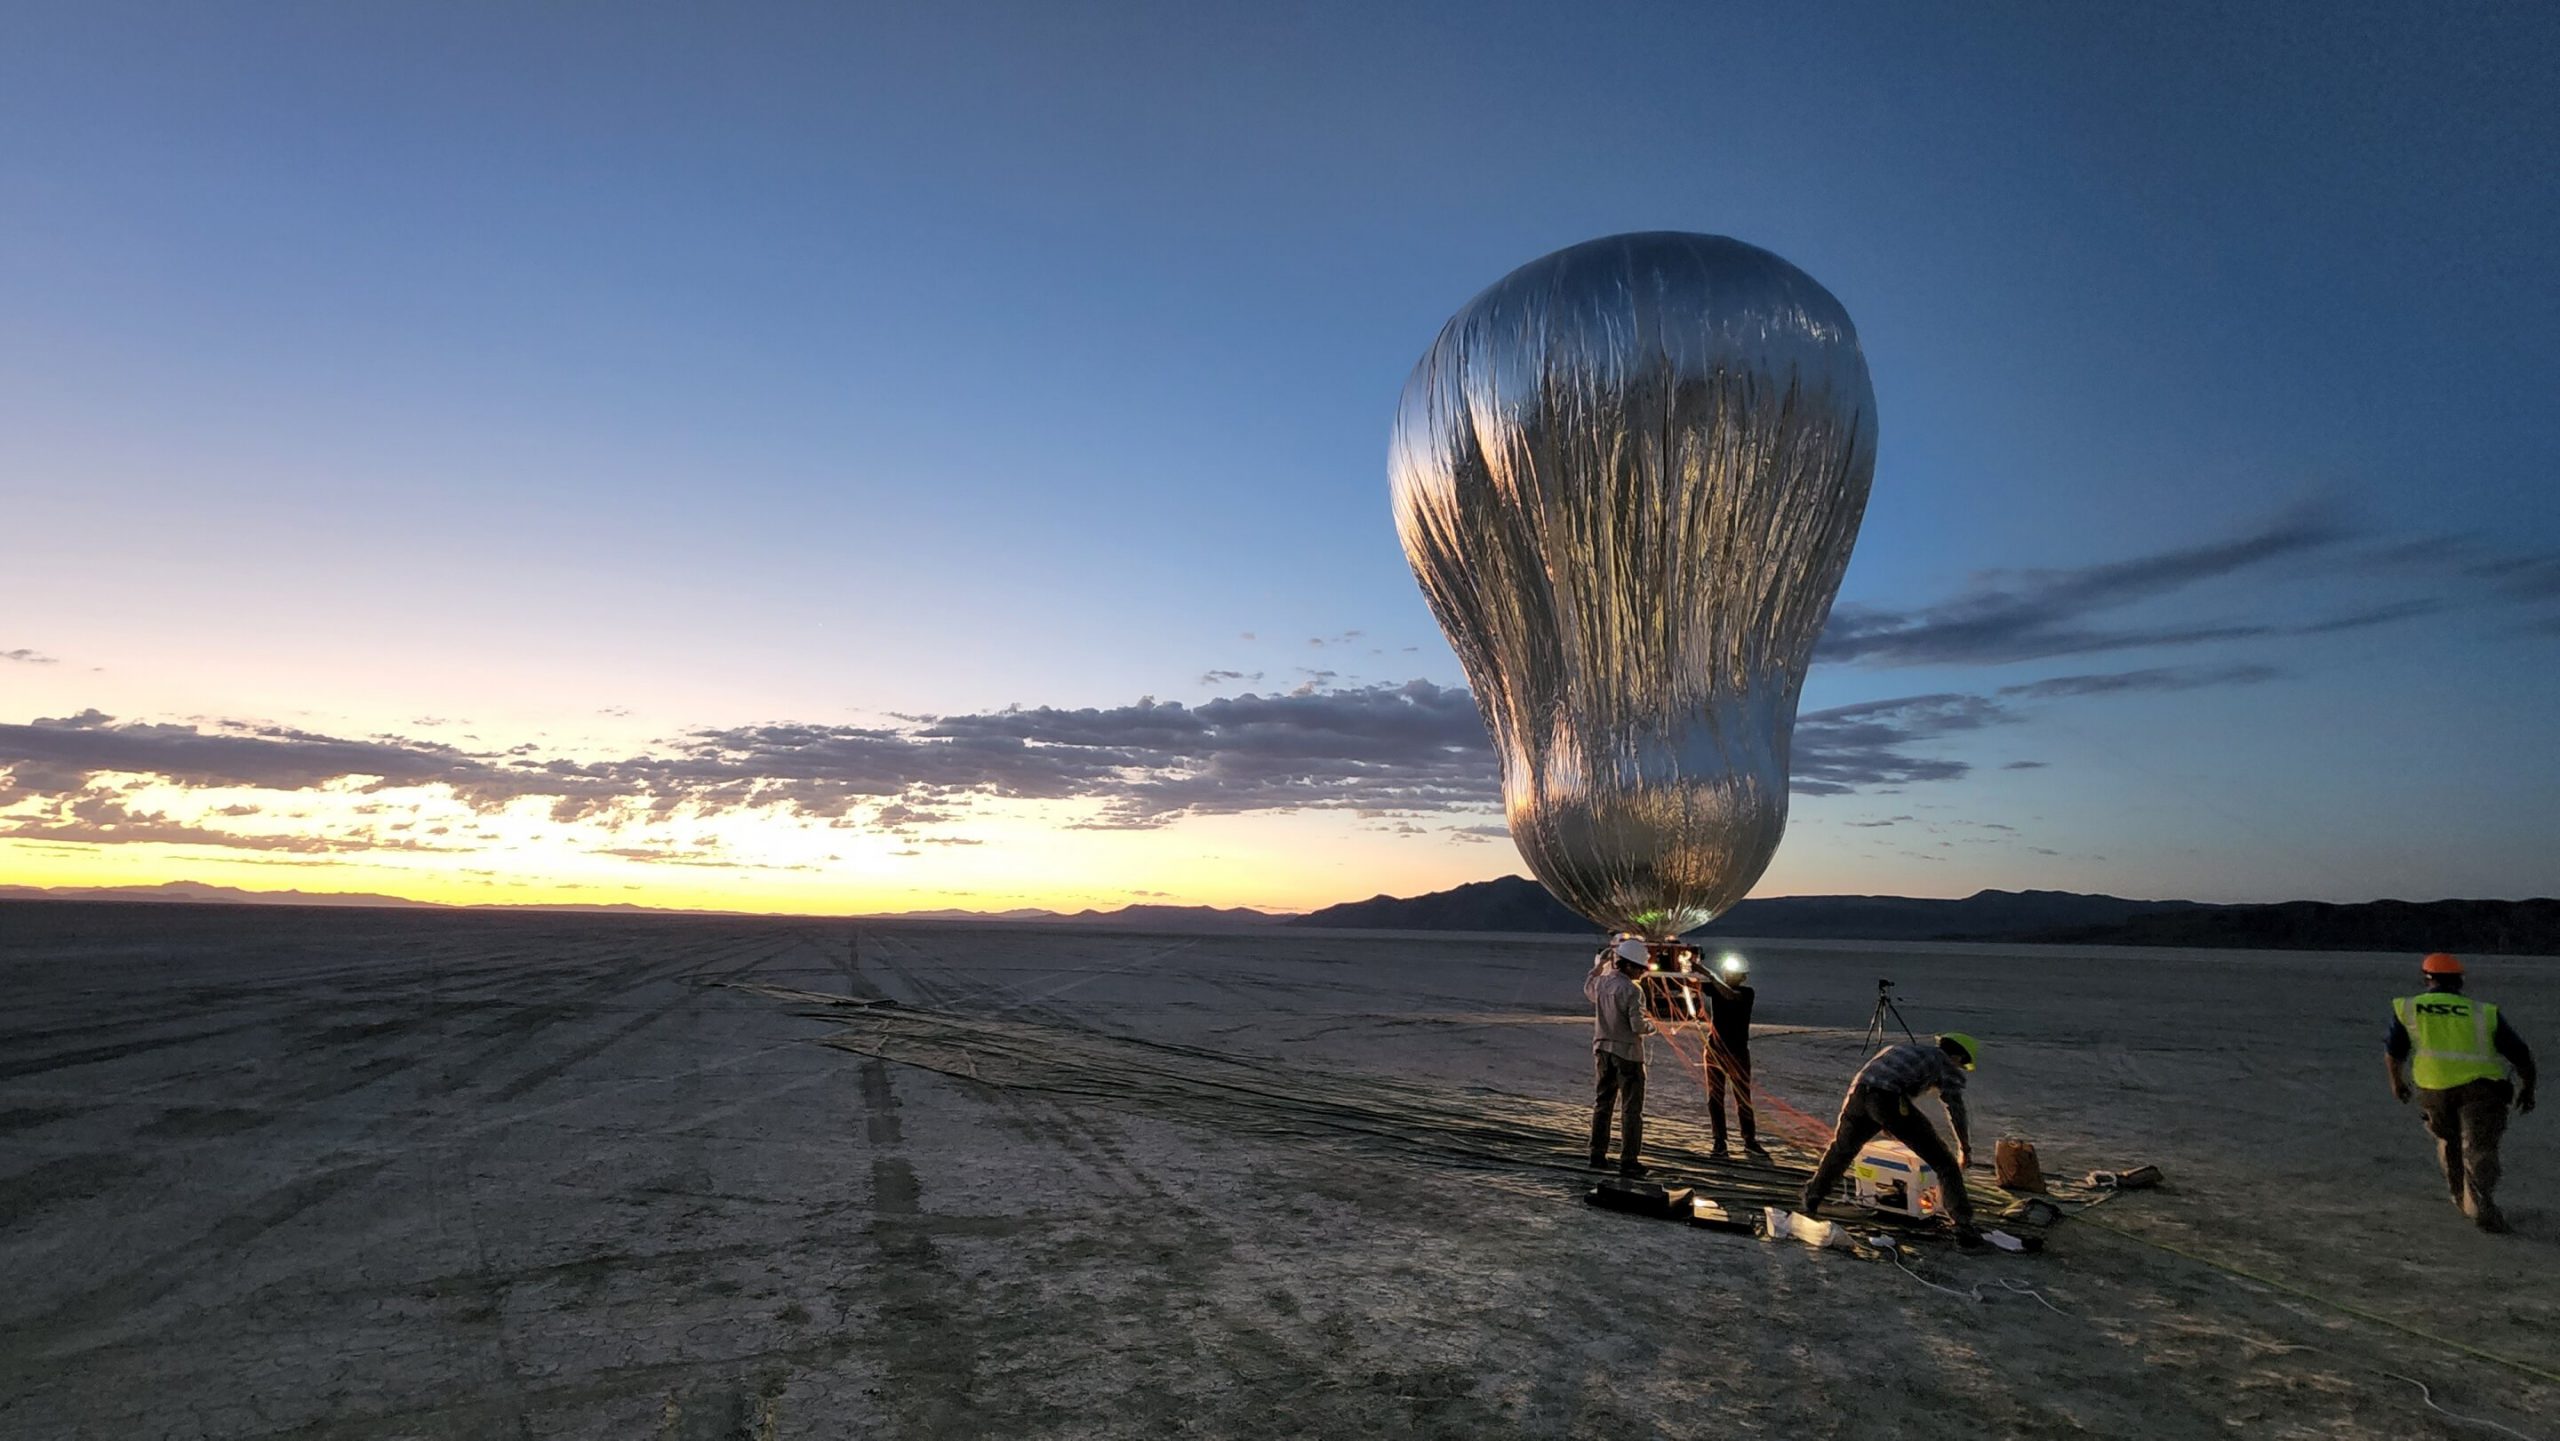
column 1887, row 1177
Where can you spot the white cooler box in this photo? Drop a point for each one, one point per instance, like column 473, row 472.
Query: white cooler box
column 1887, row 1177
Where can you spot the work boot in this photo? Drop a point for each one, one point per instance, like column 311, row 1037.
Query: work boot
column 2490, row 1219
column 1600, row 1163
column 1967, row 1237
column 1809, row 1204
column 1721, row 1154
column 1755, row 1148
column 1633, row 1170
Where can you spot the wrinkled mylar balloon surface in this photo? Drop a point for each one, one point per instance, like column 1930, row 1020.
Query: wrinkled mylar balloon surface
column 1628, row 477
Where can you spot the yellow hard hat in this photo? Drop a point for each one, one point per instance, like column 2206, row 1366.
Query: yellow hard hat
column 1971, row 1047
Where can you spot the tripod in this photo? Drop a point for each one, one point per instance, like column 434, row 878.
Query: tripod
column 1885, row 1007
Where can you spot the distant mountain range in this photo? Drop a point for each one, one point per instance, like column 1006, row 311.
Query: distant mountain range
column 1514, row 904
column 199, row 893
column 1156, row 917
column 2059, row 917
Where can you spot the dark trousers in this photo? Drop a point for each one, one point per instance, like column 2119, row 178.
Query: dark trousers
column 1616, row 1081
column 1724, row 1062
column 2467, row 1121
column 1868, row 1112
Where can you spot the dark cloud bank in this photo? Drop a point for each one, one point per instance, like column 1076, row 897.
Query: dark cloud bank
column 1404, row 750
column 2004, row 617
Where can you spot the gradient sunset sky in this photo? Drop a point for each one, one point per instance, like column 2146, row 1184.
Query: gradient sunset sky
column 856, row 458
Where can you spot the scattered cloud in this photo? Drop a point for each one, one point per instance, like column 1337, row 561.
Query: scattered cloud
column 98, row 817
column 57, row 755
column 2163, row 679
column 1869, row 746
column 1393, row 752
column 2533, row 577
column 710, row 859
column 1855, row 747
column 2006, row 616
column 1416, row 747
column 2519, row 576
column 2366, row 619
column 2532, row 581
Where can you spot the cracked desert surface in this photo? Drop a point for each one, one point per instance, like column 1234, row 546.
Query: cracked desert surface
column 273, row 1172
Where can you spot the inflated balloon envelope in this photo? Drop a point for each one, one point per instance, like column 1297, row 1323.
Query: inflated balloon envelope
column 1628, row 477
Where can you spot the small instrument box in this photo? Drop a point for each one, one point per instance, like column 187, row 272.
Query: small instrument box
column 1887, row 1177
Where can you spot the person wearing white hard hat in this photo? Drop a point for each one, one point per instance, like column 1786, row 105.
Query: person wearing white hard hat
column 1618, row 1029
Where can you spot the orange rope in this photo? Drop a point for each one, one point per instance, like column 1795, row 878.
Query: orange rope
column 1694, row 1045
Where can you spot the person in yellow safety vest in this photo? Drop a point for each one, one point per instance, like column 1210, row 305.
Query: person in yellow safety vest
column 2458, row 1050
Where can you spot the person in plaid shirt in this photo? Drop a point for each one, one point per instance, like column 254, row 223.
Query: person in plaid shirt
column 1880, row 1100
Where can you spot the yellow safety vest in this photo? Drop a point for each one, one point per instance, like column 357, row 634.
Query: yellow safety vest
column 2450, row 1034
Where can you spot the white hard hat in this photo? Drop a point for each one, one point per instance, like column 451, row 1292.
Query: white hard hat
column 1634, row 951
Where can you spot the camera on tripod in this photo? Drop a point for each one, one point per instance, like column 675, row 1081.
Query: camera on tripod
column 1885, row 1010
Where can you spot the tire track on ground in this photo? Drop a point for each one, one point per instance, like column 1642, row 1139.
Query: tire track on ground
column 36, row 1338
column 1171, row 1257
column 95, row 1055
column 697, row 974
column 925, row 1343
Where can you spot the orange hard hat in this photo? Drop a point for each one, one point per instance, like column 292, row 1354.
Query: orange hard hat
column 2441, row 964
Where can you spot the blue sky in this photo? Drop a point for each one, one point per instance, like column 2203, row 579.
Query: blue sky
column 582, row 379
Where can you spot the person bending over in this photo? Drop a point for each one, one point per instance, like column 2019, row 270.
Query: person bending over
column 1879, row 1100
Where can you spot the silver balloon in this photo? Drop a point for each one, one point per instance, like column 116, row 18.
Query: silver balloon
column 1628, row 477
